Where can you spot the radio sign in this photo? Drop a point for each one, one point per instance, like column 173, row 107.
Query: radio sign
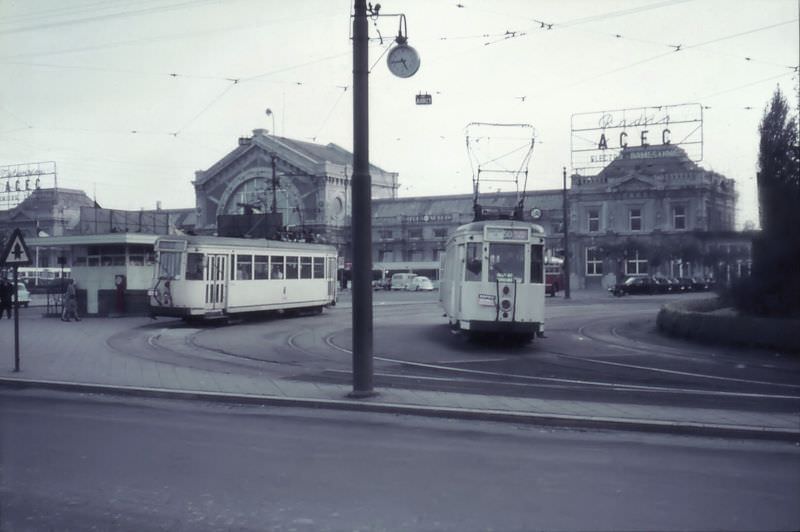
column 424, row 99
column 506, row 234
column 600, row 137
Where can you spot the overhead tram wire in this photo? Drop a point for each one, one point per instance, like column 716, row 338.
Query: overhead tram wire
column 97, row 18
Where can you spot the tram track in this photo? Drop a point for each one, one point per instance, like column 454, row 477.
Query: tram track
column 494, row 377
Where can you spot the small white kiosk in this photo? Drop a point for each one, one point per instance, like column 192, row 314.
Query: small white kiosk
column 113, row 269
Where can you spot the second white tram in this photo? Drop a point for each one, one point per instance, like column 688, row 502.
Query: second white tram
column 215, row 277
column 492, row 278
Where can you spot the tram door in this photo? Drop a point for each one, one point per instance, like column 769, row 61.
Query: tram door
column 332, row 266
column 215, row 282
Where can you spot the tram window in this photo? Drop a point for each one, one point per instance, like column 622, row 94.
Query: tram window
column 292, row 267
column 305, row 267
column 169, row 264
column 506, row 262
column 194, row 267
column 277, row 268
column 319, row 267
column 244, row 267
column 537, row 263
column 261, row 267
column 474, row 265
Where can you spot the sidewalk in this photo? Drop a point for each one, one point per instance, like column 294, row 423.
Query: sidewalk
column 77, row 356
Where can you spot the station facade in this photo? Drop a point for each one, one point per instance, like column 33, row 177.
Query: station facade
column 650, row 211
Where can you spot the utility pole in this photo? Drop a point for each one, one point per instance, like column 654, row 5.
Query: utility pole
column 362, row 210
column 274, row 185
column 566, row 238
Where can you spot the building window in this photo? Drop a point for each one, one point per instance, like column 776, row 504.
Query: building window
column 635, row 219
column 634, row 264
column 594, row 262
column 385, row 233
column 440, row 233
column 593, row 217
column 415, row 233
column 679, row 217
column 437, row 254
column 415, row 255
column 385, row 255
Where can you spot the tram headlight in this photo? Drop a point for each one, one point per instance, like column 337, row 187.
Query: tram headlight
column 506, row 290
column 505, row 304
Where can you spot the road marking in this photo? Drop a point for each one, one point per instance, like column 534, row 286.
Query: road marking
column 599, row 384
column 471, row 360
column 675, row 372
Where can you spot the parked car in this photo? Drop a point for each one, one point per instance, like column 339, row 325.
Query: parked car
column 685, row 284
column 635, row 285
column 23, row 296
column 699, row 284
column 662, row 285
column 420, row 282
column 400, row 280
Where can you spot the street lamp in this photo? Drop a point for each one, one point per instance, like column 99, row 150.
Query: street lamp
column 271, row 115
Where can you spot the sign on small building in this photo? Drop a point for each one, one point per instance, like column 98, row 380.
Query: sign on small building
column 424, row 99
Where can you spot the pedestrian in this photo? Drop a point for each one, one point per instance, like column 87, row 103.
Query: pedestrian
column 6, row 296
column 70, row 306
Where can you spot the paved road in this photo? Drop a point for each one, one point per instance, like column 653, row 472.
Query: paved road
column 598, row 348
column 71, row 462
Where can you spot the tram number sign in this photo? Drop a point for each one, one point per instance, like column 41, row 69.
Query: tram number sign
column 506, row 234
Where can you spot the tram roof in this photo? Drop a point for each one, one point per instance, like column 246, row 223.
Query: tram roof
column 478, row 226
column 223, row 241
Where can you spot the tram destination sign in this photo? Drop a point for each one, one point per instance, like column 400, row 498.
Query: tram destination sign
column 597, row 138
column 505, row 233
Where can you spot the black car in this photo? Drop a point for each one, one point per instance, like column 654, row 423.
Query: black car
column 686, row 284
column 634, row 285
column 699, row 284
column 662, row 285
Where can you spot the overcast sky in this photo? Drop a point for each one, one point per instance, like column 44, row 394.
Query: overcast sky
column 131, row 97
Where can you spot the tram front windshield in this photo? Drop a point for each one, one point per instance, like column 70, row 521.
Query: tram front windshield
column 169, row 265
column 506, row 262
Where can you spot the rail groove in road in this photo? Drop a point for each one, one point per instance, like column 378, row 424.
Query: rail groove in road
column 561, row 381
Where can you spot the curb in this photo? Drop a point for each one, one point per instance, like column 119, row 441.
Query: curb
column 371, row 406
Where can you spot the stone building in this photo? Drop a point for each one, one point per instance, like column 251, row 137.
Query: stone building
column 650, row 211
column 311, row 191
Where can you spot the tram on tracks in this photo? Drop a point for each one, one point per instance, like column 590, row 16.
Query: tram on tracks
column 492, row 279
column 210, row 277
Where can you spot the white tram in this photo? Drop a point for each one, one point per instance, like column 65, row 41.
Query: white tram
column 214, row 277
column 492, row 278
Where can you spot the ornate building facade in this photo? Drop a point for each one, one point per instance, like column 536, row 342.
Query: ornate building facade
column 310, row 191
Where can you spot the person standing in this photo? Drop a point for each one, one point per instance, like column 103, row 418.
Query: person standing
column 6, row 297
column 70, row 308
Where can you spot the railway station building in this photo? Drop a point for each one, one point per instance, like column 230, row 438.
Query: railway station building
column 650, row 211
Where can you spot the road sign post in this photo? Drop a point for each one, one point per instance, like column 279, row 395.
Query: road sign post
column 16, row 323
column 16, row 254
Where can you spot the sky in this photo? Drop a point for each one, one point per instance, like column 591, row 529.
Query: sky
column 130, row 98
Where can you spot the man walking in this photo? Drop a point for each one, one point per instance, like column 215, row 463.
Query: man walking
column 70, row 308
column 6, row 296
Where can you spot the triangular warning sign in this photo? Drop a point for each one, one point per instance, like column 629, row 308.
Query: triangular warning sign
column 16, row 251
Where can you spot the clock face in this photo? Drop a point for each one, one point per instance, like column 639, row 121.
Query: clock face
column 403, row 61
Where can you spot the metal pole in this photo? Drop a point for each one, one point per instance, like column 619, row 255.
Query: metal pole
column 362, row 210
column 566, row 239
column 274, row 186
column 16, row 323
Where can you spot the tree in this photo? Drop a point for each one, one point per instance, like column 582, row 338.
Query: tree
column 774, row 288
column 779, row 170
